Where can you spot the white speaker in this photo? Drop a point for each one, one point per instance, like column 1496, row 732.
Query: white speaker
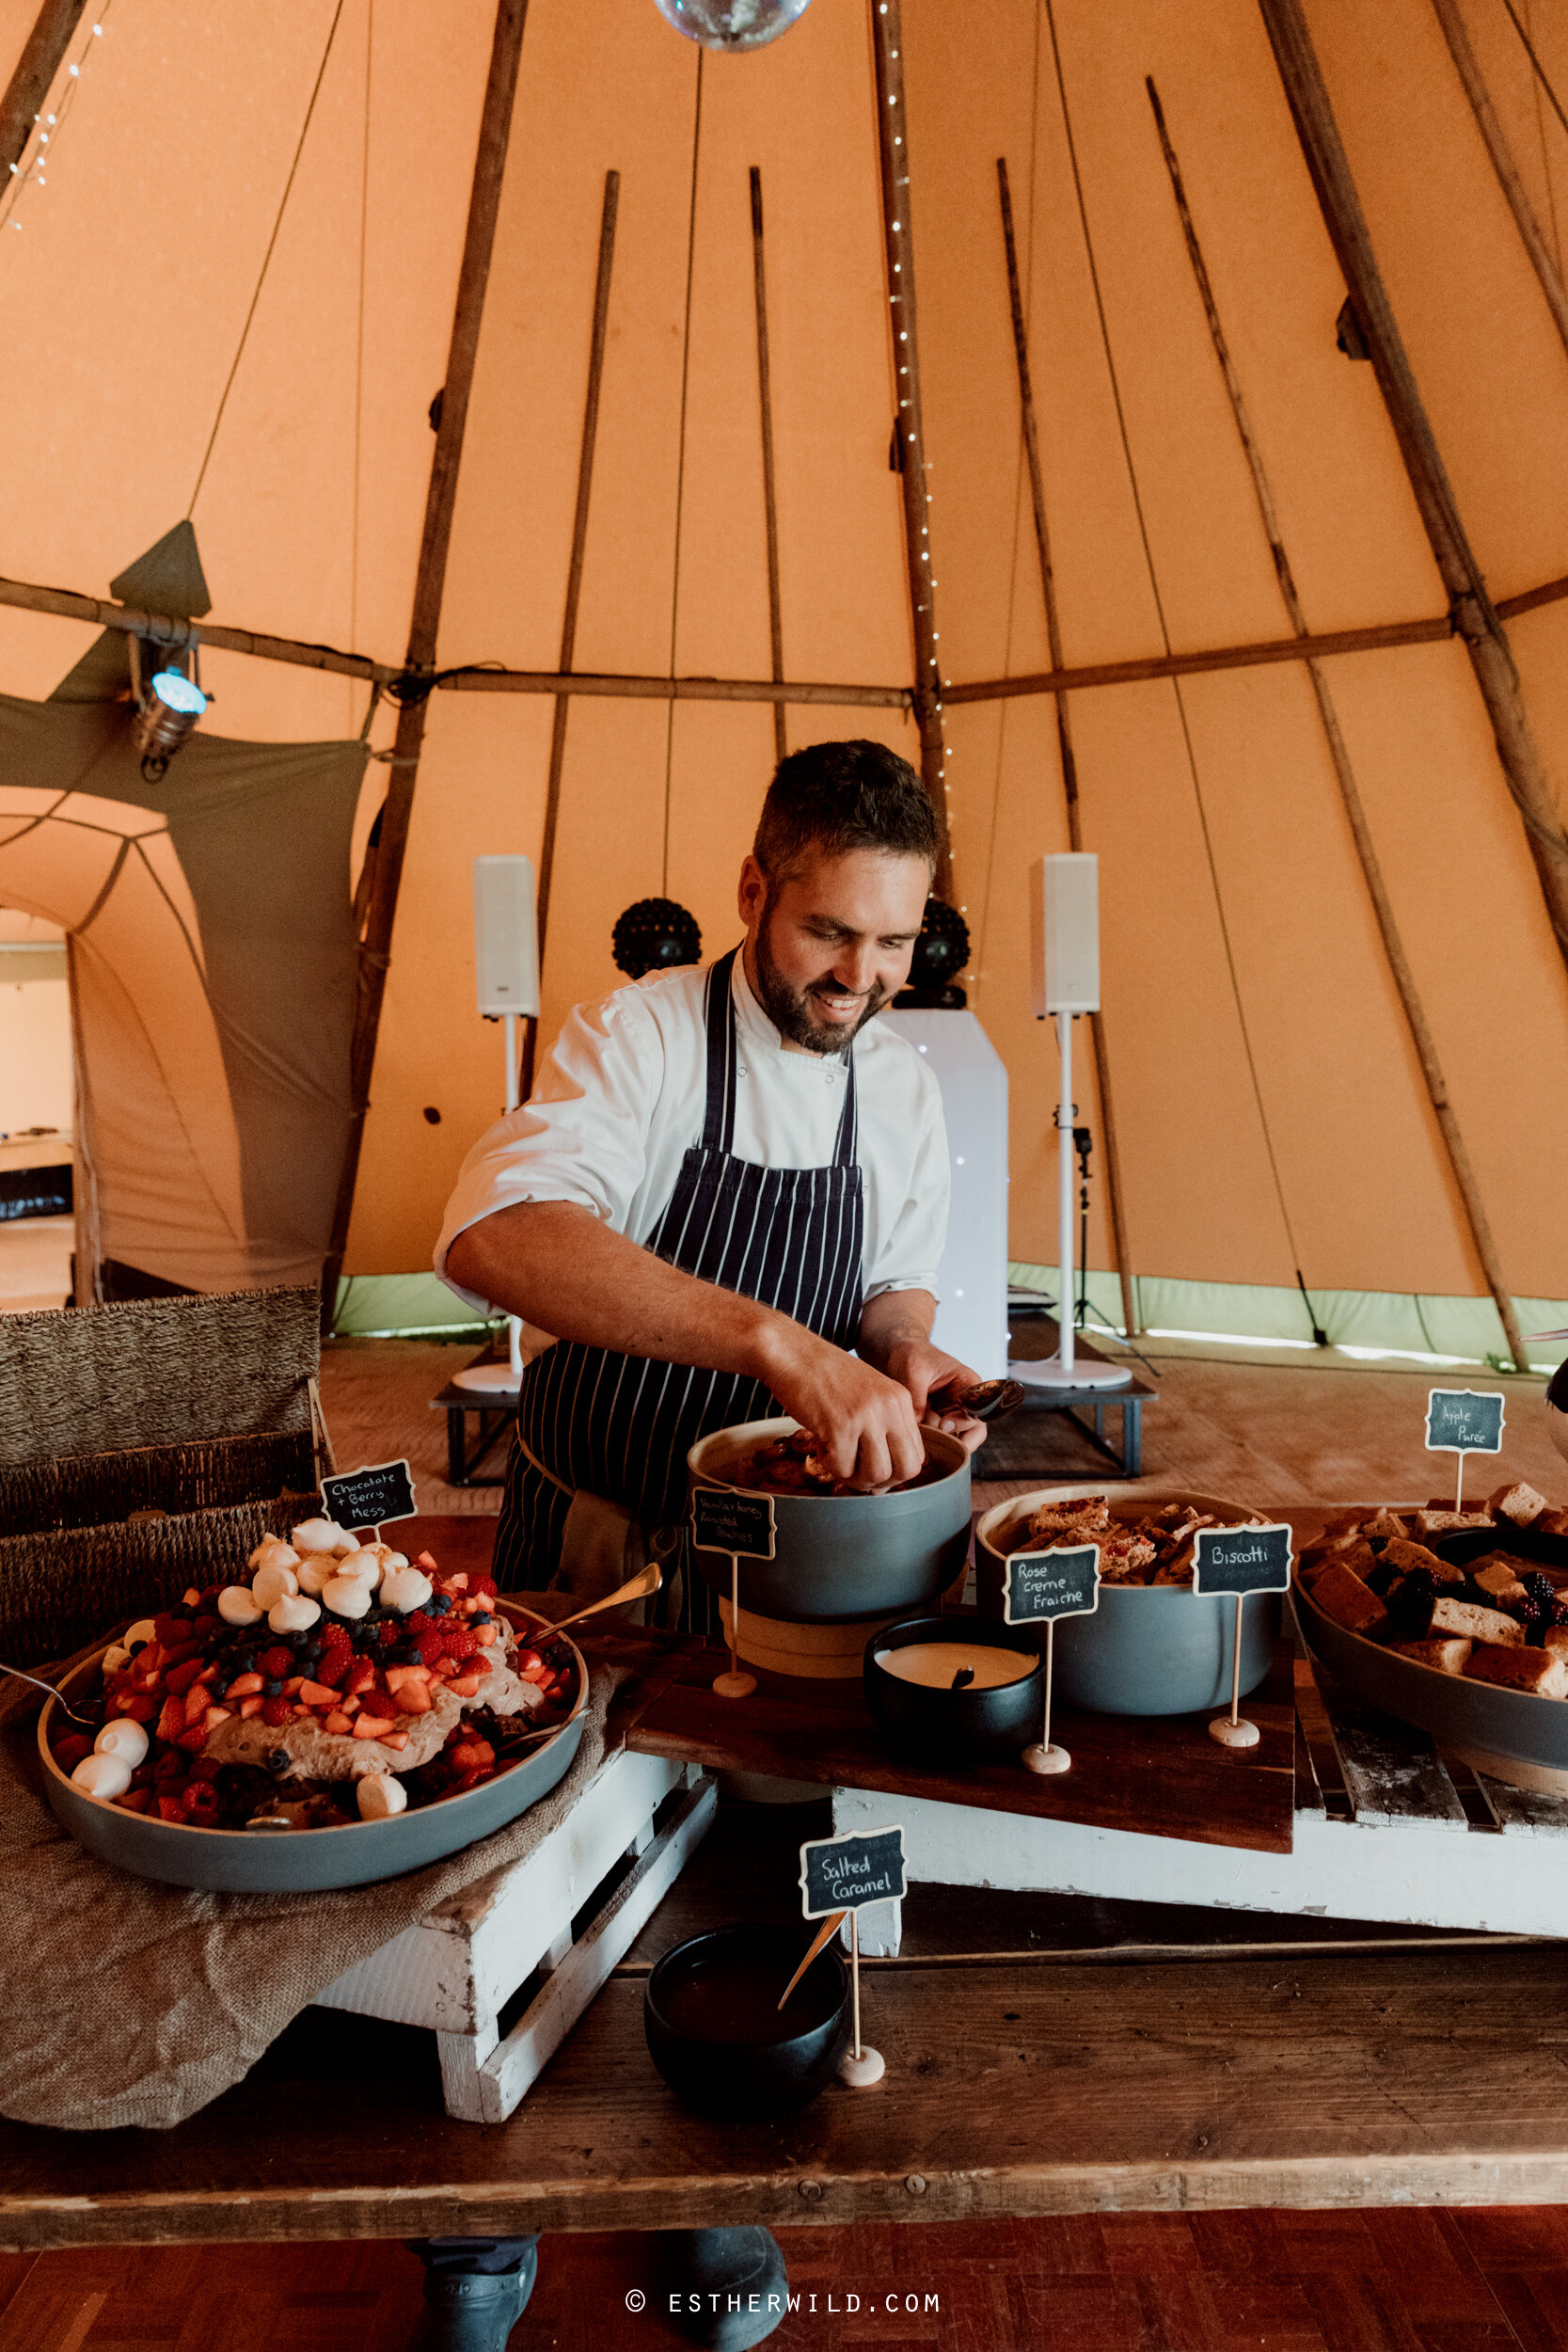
column 1063, row 933
column 506, row 936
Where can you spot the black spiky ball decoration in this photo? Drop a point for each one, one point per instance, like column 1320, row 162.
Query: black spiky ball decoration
column 940, row 953
column 656, row 935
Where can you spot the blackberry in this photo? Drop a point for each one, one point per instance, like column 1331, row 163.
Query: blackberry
column 1539, row 1587
column 1559, row 1613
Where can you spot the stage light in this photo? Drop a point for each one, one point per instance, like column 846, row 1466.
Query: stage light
column 731, row 24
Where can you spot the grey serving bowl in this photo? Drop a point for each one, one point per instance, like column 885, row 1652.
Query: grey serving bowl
column 843, row 1558
column 308, row 1861
column 1149, row 1649
column 1512, row 1736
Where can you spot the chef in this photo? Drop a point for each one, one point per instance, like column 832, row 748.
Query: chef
column 728, row 1194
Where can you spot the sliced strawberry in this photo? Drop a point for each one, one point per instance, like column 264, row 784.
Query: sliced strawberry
column 469, row 1753
column 197, row 1700
column 181, row 1677
column 465, row 1685
column 425, row 1561
column 372, row 1726
column 291, row 1688
column 171, row 1723
column 394, row 1739
column 412, row 1698
column 485, row 1634
column 194, row 1736
column 361, row 1675
column 339, row 1723
column 398, row 1676
column 243, row 1686
column 317, row 1694
column 458, row 1584
column 460, row 1643
column 251, row 1705
column 135, row 1799
column 214, row 1716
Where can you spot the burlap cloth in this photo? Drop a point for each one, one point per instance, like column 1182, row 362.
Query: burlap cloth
column 131, row 2002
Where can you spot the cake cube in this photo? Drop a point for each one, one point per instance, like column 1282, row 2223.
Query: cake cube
column 1540, row 1672
column 1519, row 1504
column 1402, row 1555
column 1448, row 1656
column 1469, row 1618
column 1496, row 1576
column 1340, row 1595
column 1436, row 1522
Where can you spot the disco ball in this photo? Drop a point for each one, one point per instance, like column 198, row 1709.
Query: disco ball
column 731, row 24
column 1557, row 1408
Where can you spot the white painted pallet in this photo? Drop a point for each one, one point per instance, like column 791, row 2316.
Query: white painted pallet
column 456, row 1971
column 1399, row 1844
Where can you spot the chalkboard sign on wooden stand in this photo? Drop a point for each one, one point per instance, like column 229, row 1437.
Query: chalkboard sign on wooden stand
column 723, row 1519
column 1037, row 1587
column 1240, row 1560
column 1463, row 1421
column 838, row 1875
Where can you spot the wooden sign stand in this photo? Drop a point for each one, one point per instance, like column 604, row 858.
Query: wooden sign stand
column 1239, row 1560
column 1460, row 1421
column 741, row 1527
column 837, row 1876
column 1037, row 1588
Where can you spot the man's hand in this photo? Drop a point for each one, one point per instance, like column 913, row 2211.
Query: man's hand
column 896, row 1334
column 866, row 1423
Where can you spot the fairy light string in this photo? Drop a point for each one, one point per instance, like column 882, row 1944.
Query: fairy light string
column 31, row 170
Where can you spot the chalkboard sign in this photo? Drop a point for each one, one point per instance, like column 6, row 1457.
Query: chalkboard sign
column 844, row 1873
column 721, row 1521
column 1241, row 1559
column 370, row 1498
column 1465, row 1421
column 1045, row 1585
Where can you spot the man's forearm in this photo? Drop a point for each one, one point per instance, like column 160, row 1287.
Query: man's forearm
column 894, row 1319
column 558, row 1265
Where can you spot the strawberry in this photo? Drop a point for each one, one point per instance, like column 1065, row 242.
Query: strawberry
column 197, row 1700
column 275, row 1712
column 179, row 1679
column 171, row 1723
column 394, row 1739
column 432, row 1643
column 338, row 1723
column 318, row 1694
column 468, row 1752
column 465, row 1685
column 483, row 1585
column 425, row 1562
column 372, row 1726
column 360, row 1677
column 69, row 1751
column 412, row 1698
column 194, row 1736
column 461, row 1644
column 178, row 1655
column 276, row 1662
column 134, row 1800
column 243, row 1686
column 332, row 1668
column 251, row 1705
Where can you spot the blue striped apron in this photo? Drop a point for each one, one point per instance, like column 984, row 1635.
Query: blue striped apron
column 620, row 1426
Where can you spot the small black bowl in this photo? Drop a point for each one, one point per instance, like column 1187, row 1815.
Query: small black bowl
column 715, row 2032
column 969, row 1726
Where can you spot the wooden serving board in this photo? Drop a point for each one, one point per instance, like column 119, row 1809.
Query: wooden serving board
column 1161, row 1774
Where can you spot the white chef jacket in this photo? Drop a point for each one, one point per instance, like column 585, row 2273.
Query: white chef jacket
column 621, row 1100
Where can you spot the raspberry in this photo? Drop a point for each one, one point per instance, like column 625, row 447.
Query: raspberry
column 417, row 1621
column 388, row 1631
column 276, row 1662
column 459, row 1644
column 336, row 1635
column 200, row 1802
column 333, row 1669
column 277, row 1712
column 481, row 1584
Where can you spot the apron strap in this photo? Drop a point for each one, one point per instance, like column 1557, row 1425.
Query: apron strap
column 723, row 1057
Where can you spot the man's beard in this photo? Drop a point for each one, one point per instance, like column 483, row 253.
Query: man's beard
column 790, row 1008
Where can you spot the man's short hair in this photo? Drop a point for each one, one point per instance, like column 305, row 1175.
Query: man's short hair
column 843, row 796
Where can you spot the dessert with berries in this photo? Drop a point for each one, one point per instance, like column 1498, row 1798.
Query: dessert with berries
column 340, row 1683
column 1500, row 1619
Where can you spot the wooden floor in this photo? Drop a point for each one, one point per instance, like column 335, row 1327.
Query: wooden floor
column 1259, row 1432
column 1378, row 2280
column 1465, row 2280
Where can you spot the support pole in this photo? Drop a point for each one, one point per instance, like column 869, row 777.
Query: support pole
column 42, row 55
column 1475, row 616
column 1393, row 946
column 430, row 580
column 769, row 497
column 1064, row 739
column 574, row 583
column 1469, row 74
column 892, row 133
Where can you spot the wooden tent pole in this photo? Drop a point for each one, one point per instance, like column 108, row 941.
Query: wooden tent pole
column 574, row 587
column 770, row 483
column 1469, row 72
column 893, row 155
column 1475, row 616
column 42, row 54
column 1063, row 736
column 429, row 581
column 1393, row 945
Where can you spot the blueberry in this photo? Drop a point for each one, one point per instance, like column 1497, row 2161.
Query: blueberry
column 278, row 1760
column 438, row 1604
column 274, row 1688
column 481, row 1617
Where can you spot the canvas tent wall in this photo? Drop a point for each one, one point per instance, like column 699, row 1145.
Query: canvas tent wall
column 1272, row 1112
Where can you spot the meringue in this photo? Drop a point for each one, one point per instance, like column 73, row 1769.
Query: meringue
column 314, row 1570
column 274, row 1552
column 379, row 1796
column 237, row 1605
column 101, row 1776
column 293, row 1613
column 272, row 1582
column 323, row 1535
column 364, row 1564
column 125, row 1737
column 347, row 1596
column 403, row 1589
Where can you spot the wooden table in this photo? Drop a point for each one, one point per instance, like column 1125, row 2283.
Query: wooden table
column 1033, row 1339
column 496, row 1410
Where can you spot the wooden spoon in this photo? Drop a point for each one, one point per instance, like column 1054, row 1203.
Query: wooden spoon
column 828, row 1928
column 639, row 1587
